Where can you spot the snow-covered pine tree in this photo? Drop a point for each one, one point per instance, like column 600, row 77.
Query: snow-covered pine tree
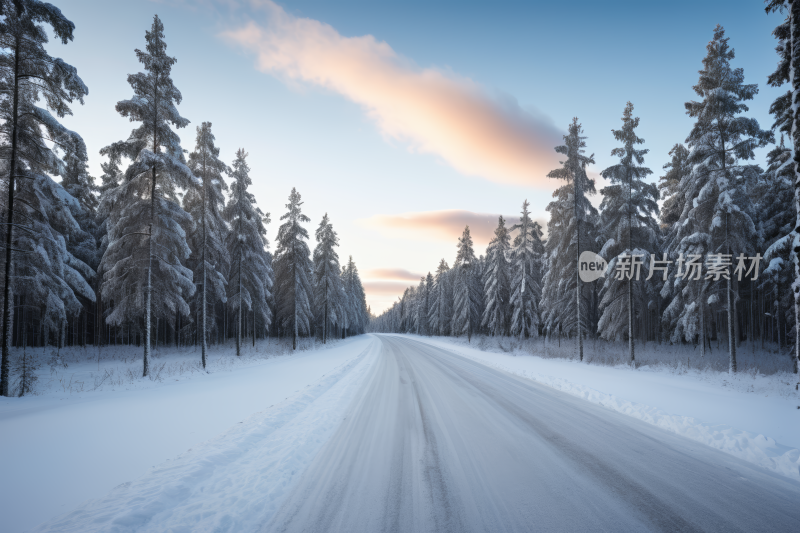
column 328, row 288
column 568, row 236
column 421, row 315
column 772, row 196
column 440, row 311
column 428, row 302
column 785, row 108
column 497, row 282
column 466, row 304
column 28, row 73
column 110, row 180
column 356, row 300
column 251, row 275
column 204, row 202
column 293, row 270
column 715, row 217
column 143, row 265
column 669, row 188
column 77, row 181
column 628, row 226
column 527, row 261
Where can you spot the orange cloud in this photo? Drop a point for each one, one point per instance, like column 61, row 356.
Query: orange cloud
column 447, row 225
column 386, row 288
column 394, row 274
column 434, row 111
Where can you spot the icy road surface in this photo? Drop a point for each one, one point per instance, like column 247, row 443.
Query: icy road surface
column 436, row 442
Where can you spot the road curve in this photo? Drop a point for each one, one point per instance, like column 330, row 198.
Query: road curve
column 437, row 442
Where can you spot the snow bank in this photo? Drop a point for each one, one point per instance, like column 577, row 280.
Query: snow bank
column 70, row 448
column 655, row 394
column 236, row 481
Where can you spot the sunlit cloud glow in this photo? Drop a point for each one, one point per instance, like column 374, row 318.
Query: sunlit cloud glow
column 391, row 274
column 432, row 110
column 447, row 225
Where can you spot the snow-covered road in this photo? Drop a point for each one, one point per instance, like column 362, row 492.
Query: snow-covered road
column 436, row 442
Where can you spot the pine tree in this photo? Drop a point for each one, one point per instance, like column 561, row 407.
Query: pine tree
column 355, row 300
column 629, row 228
column 497, row 282
column 293, row 271
column 110, row 180
column 251, row 275
column 440, row 310
column 527, row 258
column 770, row 194
column 785, row 109
column 669, row 187
column 328, row 288
column 426, row 308
column 569, row 215
column 419, row 304
column 204, row 202
column 466, row 305
column 143, row 264
column 28, row 73
column 715, row 217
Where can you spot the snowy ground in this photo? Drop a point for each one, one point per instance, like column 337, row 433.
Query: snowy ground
column 101, row 449
column 750, row 415
column 65, row 446
column 439, row 442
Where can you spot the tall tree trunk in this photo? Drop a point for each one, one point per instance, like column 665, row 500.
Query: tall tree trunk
column 325, row 318
column 630, row 277
column 241, row 304
column 731, row 315
column 149, row 290
column 702, row 322
column 6, row 341
column 794, row 82
column 203, row 221
column 577, row 272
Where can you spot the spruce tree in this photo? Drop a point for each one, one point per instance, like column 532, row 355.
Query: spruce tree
column 419, row 306
column 293, row 270
column 527, row 262
column 251, row 276
column 441, row 297
column 328, row 288
column 629, row 228
column 27, row 74
column 428, row 303
column 715, row 217
column 355, row 306
column 143, row 265
column 772, row 196
column 785, row 109
column 570, row 214
column 204, row 202
column 669, row 188
column 497, row 282
column 466, row 293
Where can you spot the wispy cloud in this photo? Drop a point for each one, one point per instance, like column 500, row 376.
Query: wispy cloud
column 432, row 110
column 385, row 289
column 446, row 225
column 391, row 274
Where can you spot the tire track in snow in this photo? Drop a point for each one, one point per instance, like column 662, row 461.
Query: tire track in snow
column 236, row 481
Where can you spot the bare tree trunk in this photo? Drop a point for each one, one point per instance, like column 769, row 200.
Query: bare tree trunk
column 5, row 361
column 702, row 323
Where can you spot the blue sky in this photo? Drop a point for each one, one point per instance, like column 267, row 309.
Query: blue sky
column 364, row 152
